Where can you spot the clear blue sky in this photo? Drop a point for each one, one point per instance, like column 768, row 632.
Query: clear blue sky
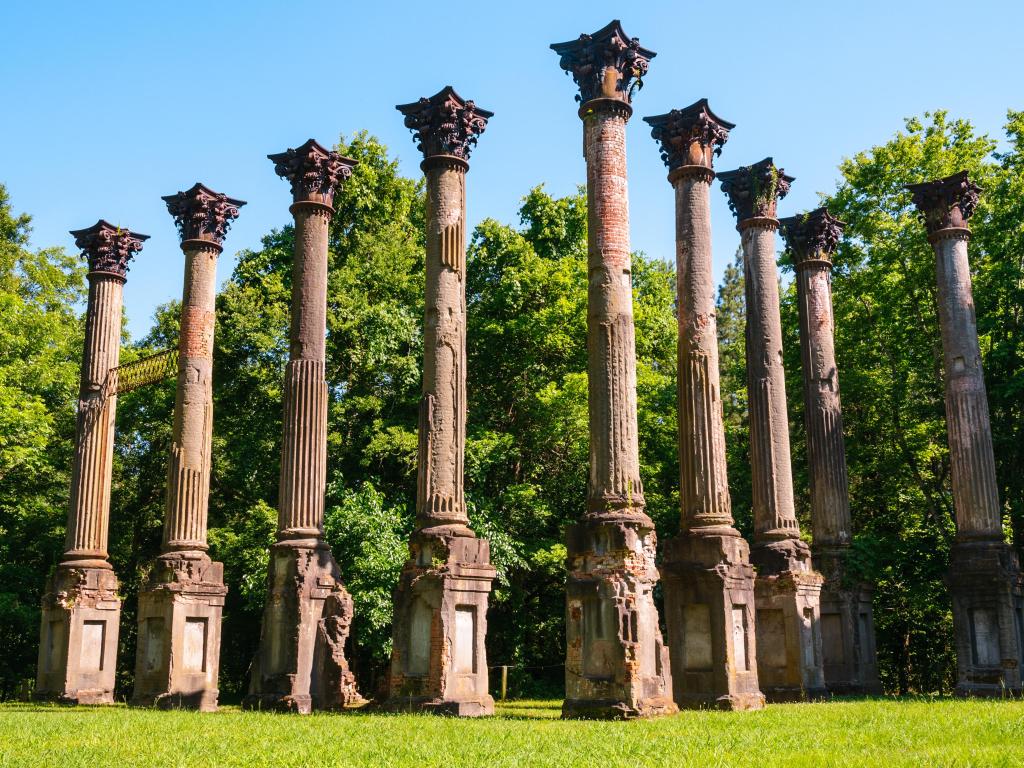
column 110, row 105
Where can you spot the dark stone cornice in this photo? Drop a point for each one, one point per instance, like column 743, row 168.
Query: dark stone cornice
column 202, row 214
column 606, row 64
column 445, row 123
column 945, row 203
column 314, row 171
column 108, row 248
column 692, row 135
column 812, row 237
column 754, row 190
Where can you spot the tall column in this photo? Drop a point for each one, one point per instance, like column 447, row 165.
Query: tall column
column 439, row 658
column 180, row 605
column 616, row 663
column 787, row 589
column 847, row 624
column 81, row 609
column 709, row 582
column 301, row 662
column 984, row 577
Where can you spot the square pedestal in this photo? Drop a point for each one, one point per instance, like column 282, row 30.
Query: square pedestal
column 178, row 647
column 988, row 618
column 847, row 631
column 616, row 665
column 439, row 660
column 81, row 614
column 301, row 663
column 709, row 610
column 787, row 592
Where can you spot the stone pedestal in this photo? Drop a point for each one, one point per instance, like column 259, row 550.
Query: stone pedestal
column 708, row 579
column 439, row 660
column 847, row 627
column 984, row 577
column 787, row 589
column 301, row 662
column 180, row 605
column 179, row 634
column 78, row 644
column 439, row 663
column 616, row 663
column 81, row 609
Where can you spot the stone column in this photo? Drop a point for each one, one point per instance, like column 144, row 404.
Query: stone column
column 439, row 661
column 984, row 577
column 616, row 663
column 709, row 582
column 787, row 589
column 847, row 625
column 301, row 662
column 180, row 605
column 81, row 608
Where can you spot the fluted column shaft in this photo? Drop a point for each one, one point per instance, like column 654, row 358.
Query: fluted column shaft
column 304, row 451
column 823, row 416
column 188, row 474
column 704, row 486
column 615, row 486
column 975, row 491
column 89, row 513
column 440, row 497
column 771, row 470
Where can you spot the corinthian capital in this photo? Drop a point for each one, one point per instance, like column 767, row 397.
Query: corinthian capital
column 445, row 124
column 108, row 248
column 606, row 64
column 692, row 135
column 315, row 173
column 945, row 203
column 202, row 214
column 812, row 236
column 754, row 190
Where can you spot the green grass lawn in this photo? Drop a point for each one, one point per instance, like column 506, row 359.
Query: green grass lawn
column 915, row 732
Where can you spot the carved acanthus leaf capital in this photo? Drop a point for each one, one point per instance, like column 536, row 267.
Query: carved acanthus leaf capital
column 315, row 172
column 108, row 248
column 945, row 203
column 445, row 123
column 606, row 64
column 202, row 214
column 754, row 190
column 692, row 135
column 812, row 236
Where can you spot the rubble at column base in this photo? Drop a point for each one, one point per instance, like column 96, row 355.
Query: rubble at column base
column 439, row 658
column 593, row 709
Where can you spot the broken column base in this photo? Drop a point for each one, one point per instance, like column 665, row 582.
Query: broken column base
column 81, row 615
column 984, row 581
column 178, row 653
column 847, row 629
column 439, row 657
column 617, row 665
column 709, row 609
column 787, row 593
column 301, row 663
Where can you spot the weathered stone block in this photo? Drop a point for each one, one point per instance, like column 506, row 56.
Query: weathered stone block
column 439, row 660
column 709, row 611
column 178, row 651
column 81, row 615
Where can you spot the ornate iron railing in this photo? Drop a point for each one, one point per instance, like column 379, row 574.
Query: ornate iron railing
column 139, row 373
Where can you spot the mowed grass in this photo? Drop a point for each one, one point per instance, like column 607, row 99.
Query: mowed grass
column 913, row 732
